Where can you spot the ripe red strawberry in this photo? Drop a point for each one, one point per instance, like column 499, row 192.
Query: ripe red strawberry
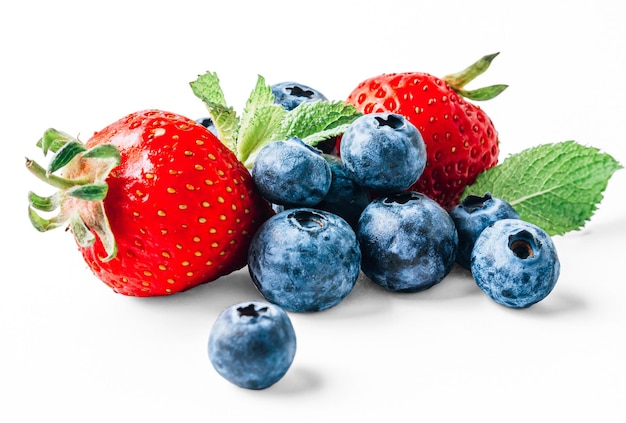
column 156, row 202
column 461, row 140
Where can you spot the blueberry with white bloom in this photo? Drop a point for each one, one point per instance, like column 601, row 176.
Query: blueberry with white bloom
column 304, row 259
column 383, row 152
column 345, row 197
column 408, row 242
column 252, row 344
column 291, row 94
column 515, row 263
column 291, row 173
column 473, row 215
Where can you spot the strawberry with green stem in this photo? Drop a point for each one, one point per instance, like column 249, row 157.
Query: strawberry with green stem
column 461, row 141
column 156, row 202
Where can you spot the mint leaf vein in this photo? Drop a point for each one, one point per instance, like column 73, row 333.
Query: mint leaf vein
column 555, row 186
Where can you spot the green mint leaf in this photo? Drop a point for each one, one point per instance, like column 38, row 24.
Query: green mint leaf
column 260, row 120
column 259, row 130
column 264, row 121
column 319, row 120
column 555, row 186
column 207, row 88
column 261, row 96
column 320, row 136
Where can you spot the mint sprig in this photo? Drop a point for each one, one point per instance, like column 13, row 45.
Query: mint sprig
column 207, row 88
column 263, row 121
column 555, row 186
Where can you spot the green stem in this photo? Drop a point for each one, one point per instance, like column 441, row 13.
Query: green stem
column 460, row 79
column 54, row 180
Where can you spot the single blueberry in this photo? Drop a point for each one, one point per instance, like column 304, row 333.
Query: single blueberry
column 304, row 259
column 252, row 344
column 345, row 197
column 291, row 173
column 291, row 94
column 383, row 152
column 408, row 242
column 515, row 263
column 473, row 215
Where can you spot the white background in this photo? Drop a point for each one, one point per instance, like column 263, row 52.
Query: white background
column 74, row 351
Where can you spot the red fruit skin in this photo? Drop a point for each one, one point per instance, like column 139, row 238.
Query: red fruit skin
column 460, row 139
column 181, row 206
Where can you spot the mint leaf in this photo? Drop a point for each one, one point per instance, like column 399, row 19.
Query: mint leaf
column 320, row 136
column 260, row 120
column 317, row 121
column 264, row 121
column 207, row 88
column 555, row 186
column 259, row 97
column 259, row 130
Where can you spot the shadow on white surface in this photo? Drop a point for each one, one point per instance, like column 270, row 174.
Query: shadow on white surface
column 557, row 304
column 213, row 296
column 298, row 380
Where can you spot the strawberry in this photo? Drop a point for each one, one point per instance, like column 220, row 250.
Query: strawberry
column 156, row 202
column 461, row 140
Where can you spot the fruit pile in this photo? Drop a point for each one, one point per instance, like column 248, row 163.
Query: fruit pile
column 395, row 183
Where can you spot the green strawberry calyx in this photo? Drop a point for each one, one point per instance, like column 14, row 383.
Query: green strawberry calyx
column 263, row 121
column 459, row 80
column 79, row 175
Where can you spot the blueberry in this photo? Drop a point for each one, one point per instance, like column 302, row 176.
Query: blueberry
column 383, row 152
column 408, row 242
column 515, row 263
column 291, row 173
column 207, row 122
column 473, row 215
column 291, row 94
column 252, row 344
column 345, row 197
column 304, row 259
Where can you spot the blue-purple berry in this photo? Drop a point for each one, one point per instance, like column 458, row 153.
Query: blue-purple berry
column 345, row 198
column 304, row 259
column 290, row 94
column 408, row 242
column 515, row 263
column 252, row 344
column 473, row 215
column 291, row 173
column 383, row 152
